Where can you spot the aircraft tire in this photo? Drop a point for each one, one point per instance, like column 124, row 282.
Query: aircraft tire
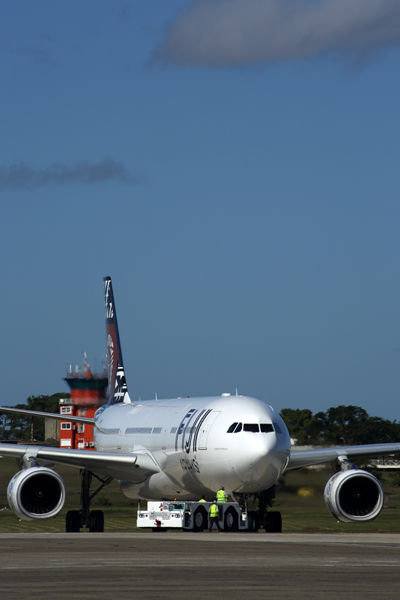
column 96, row 521
column 199, row 519
column 72, row 521
column 252, row 521
column 230, row 520
column 274, row 522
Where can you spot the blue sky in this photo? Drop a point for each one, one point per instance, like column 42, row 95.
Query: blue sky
column 233, row 166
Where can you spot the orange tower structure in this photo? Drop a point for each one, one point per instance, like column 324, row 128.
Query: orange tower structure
column 88, row 393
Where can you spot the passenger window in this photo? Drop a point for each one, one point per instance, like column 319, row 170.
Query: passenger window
column 266, row 427
column 277, row 428
column 231, row 428
column 253, row 427
column 238, row 428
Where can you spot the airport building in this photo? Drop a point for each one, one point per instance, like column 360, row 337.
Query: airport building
column 88, row 393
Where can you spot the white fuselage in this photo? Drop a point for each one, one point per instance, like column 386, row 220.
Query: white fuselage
column 189, row 439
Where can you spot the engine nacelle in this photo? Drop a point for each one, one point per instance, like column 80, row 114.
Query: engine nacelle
column 36, row 493
column 354, row 496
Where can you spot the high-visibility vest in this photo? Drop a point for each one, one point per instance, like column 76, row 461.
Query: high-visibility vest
column 213, row 510
column 202, row 500
column 221, row 496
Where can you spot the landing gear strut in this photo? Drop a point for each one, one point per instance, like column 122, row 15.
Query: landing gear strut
column 270, row 520
column 93, row 520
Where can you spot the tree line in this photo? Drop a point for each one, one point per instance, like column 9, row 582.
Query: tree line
column 338, row 426
column 16, row 427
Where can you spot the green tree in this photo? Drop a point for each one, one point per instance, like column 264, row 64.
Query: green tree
column 44, row 404
column 16, row 427
column 298, row 423
column 339, row 426
column 343, row 425
column 379, row 431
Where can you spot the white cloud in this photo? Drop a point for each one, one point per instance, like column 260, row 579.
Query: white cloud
column 238, row 33
column 20, row 175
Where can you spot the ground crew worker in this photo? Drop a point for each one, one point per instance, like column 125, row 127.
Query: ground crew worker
column 222, row 496
column 203, row 499
column 214, row 517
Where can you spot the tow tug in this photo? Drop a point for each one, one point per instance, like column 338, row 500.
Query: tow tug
column 190, row 516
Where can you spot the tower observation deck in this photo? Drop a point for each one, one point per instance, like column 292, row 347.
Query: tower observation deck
column 88, row 393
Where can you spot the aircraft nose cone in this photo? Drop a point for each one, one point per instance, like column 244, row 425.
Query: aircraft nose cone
column 260, row 446
column 261, row 461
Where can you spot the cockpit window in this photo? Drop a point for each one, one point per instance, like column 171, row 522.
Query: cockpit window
column 235, row 428
column 232, row 428
column 277, row 428
column 266, row 427
column 253, row 427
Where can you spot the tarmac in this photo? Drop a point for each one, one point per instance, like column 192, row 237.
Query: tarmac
column 180, row 566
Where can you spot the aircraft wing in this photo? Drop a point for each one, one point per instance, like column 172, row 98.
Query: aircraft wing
column 47, row 415
column 318, row 456
column 134, row 467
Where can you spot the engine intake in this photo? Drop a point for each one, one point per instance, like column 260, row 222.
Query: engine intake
column 354, row 496
column 36, row 493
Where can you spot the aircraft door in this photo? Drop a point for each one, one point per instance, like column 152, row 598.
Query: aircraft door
column 166, row 429
column 206, row 428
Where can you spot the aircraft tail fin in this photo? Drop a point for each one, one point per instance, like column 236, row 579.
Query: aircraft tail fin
column 118, row 391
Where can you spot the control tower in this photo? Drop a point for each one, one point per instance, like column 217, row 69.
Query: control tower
column 88, row 393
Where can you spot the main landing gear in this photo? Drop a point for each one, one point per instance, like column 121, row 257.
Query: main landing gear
column 91, row 519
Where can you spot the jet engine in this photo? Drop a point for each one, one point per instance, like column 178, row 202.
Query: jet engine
column 36, row 493
column 354, row 496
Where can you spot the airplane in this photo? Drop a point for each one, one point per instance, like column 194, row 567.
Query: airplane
column 183, row 448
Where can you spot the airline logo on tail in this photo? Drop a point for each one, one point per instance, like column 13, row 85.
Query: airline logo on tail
column 111, row 360
column 108, row 299
column 118, row 390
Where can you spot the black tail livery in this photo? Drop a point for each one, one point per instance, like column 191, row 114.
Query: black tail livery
column 118, row 391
